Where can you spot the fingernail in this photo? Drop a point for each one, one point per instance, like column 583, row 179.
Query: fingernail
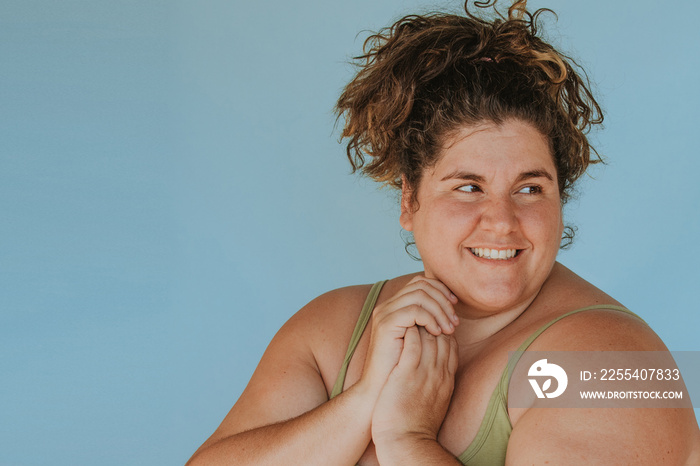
column 453, row 297
column 455, row 319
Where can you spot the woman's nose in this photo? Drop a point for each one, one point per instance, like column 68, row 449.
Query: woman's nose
column 499, row 216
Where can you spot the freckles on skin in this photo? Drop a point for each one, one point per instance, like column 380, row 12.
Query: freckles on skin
column 494, row 187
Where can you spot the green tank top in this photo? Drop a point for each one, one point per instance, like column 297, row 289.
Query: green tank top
column 489, row 446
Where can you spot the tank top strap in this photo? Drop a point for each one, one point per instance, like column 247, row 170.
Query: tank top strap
column 515, row 357
column 362, row 321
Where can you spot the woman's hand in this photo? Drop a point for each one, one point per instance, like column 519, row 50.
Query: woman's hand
column 413, row 403
column 423, row 302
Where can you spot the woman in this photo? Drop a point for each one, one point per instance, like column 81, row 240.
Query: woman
column 481, row 125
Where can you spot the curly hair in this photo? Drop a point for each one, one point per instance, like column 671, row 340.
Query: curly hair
column 426, row 76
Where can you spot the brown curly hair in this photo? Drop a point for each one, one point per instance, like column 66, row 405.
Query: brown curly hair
column 426, row 76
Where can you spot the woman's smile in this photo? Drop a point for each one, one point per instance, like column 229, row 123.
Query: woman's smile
column 495, row 254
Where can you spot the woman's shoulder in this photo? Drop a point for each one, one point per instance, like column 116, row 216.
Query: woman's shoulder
column 566, row 288
column 588, row 319
column 340, row 308
column 325, row 325
column 328, row 317
column 599, row 329
column 334, row 304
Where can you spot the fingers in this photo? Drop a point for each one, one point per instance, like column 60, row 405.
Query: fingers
column 439, row 292
column 423, row 302
column 445, row 354
column 411, row 315
column 429, row 348
column 436, row 284
column 412, row 349
column 434, row 351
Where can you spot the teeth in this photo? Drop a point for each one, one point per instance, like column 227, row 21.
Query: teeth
column 494, row 254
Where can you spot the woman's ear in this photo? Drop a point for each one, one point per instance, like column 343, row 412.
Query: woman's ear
column 406, row 218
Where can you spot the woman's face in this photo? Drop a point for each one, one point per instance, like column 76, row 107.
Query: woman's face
column 488, row 221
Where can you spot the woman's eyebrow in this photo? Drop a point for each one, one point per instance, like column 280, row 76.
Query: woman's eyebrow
column 462, row 175
column 467, row 176
column 539, row 173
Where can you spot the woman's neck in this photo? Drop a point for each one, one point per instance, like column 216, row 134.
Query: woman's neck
column 475, row 328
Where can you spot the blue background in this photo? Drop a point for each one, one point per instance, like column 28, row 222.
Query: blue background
column 172, row 190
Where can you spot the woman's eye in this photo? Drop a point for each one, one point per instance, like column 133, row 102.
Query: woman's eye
column 531, row 190
column 469, row 188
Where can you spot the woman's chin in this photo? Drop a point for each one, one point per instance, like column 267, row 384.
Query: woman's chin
column 489, row 302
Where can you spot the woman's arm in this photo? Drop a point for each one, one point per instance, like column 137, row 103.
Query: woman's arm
column 578, row 436
column 336, row 432
column 284, row 414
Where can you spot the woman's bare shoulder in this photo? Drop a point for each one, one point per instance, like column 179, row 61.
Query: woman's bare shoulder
column 599, row 330
column 324, row 326
column 604, row 327
column 331, row 312
column 566, row 289
column 337, row 311
column 327, row 322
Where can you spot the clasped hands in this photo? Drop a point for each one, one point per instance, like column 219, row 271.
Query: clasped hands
column 411, row 360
